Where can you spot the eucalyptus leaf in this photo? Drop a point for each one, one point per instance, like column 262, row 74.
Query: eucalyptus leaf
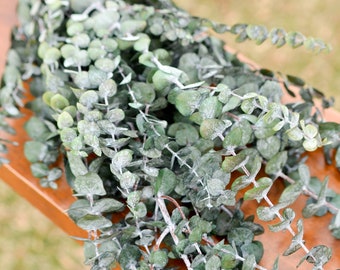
column 249, row 262
column 121, row 159
column 39, row 170
column 297, row 240
column 128, row 255
column 214, row 262
column 276, row 163
column 128, row 180
column 288, row 216
column 165, row 182
column 268, row 147
column 144, row 93
column 35, row 151
column 212, row 128
column 232, row 163
column 93, row 222
column 210, row 108
column 76, row 164
column 58, row 102
column 260, row 190
column 228, row 260
column 187, row 102
column 254, row 250
column 89, row 184
column 318, row 256
column 36, row 128
column 291, row 193
column 159, row 258
column 105, row 64
column 65, row 120
column 107, row 205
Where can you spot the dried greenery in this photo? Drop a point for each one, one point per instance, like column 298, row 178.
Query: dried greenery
column 153, row 118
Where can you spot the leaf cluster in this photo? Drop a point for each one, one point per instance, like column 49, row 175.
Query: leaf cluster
column 162, row 130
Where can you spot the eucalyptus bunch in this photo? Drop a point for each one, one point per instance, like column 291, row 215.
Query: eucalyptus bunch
column 163, row 132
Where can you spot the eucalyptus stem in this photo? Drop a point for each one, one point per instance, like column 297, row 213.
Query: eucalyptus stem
column 308, row 192
column 270, row 203
column 171, row 228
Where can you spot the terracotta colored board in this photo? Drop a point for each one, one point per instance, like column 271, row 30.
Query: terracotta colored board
column 52, row 203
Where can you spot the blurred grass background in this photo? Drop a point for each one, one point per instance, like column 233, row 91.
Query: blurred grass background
column 319, row 19
column 30, row 241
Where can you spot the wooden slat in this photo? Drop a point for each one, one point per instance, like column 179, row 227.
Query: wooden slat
column 54, row 203
column 17, row 174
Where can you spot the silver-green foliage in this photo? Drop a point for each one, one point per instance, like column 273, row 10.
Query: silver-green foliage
column 148, row 109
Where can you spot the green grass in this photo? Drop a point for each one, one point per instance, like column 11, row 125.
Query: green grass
column 30, row 241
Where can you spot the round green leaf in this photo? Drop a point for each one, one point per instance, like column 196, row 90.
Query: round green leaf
column 268, row 147
column 295, row 134
column 81, row 40
column 210, row 108
column 96, row 53
column 213, row 263
column 93, row 222
column 129, row 255
column 108, row 88
column 187, row 102
column 128, row 180
column 39, row 170
column 253, row 252
column 212, row 128
column 65, row 120
column 36, row 128
column 105, row 64
column 229, row 260
column 159, row 258
column 89, row 98
column 96, row 76
column 58, row 102
column 215, row 186
column 121, row 159
column 82, row 80
column 265, row 213
column 142, row 44
column 165, row 182
column 132, row 26
column 51, row 56
column 42, row 49
column 143, row 92
column 276, row 163
column 35, row 151
column 107, row 205
column 310, row 144
column 195, row 235
column 89, row 184
column 75, row 28
column 258, row 192
column 140, row 211
column 232, row 163
column 240, row 236
column 184, row 133
column 160, row 79
column 115, row 115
